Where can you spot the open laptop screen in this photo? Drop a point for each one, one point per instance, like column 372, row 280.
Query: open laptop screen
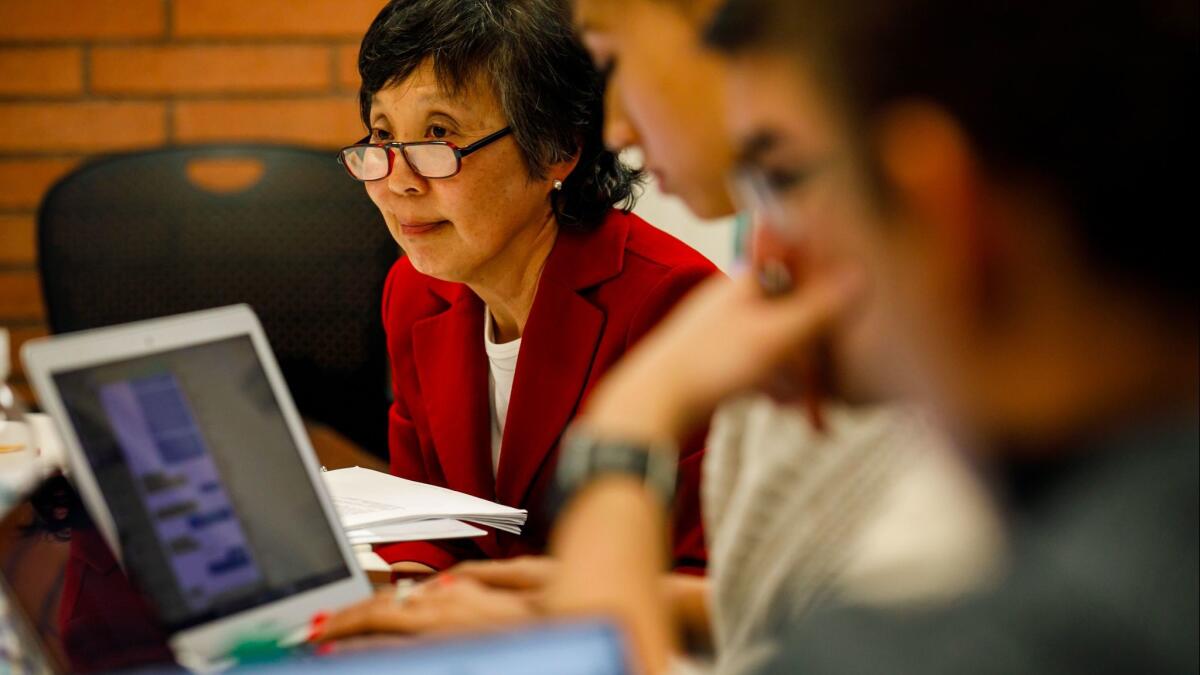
column 183, row 444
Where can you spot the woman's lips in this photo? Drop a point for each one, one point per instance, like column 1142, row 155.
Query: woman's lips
column 414, row 229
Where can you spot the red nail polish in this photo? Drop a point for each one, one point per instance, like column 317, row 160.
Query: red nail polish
column 316, row 625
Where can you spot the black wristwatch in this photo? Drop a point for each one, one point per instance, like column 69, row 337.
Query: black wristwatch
column 583, row 457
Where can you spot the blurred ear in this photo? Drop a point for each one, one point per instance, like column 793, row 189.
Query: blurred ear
column 937, row 188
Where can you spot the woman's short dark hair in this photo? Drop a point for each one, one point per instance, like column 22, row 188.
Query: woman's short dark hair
column 1094, row 103
column 528, row 52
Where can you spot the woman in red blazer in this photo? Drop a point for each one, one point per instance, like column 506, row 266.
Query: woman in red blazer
column 522, row 283
column 599, row 292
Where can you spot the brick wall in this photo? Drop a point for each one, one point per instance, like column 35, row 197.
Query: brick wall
column 86, row 77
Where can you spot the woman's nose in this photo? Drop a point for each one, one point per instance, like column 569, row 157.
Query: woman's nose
column 618, row 132
column 403, row 180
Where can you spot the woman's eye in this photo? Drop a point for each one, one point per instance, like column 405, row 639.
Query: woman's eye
column 783, row 180
column 379, row 136
column 437, row 131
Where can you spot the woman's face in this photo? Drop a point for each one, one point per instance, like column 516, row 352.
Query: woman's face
column 664, row 96
column 796, row 171
column 468, row 227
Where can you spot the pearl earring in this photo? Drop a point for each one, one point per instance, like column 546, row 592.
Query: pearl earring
column 558, row 185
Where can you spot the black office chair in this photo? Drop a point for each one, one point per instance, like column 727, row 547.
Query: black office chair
column 133, row 236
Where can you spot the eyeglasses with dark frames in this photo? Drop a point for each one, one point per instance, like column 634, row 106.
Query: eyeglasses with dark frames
column 366, row 161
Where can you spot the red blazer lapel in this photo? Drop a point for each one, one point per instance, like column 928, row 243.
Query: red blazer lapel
column 547, row 387
column 452, row 374
column 557, row 349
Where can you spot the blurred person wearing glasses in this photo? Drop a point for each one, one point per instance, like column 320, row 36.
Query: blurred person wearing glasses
column 815, row 484
column 522, row 281
column 1018, row 187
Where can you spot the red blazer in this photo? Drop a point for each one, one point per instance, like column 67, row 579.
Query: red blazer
column 599, row 293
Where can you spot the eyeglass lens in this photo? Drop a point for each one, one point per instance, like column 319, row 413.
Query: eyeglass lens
column 433, row 160
column 367, row 162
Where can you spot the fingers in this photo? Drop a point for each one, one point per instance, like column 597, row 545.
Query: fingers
column 385, row 614
column 526, row 573
column 380, row 614
column 803, row 314
column 445, row 603
column 786, row 336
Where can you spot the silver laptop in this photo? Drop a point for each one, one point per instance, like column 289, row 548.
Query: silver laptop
column 187, row 450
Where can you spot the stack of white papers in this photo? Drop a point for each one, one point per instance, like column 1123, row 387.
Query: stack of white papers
column 417, row 530
column 376, row 507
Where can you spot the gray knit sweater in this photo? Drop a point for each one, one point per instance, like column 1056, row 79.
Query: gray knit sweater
column 876, row 509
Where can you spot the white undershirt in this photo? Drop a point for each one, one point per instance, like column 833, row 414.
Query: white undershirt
column 502, row 359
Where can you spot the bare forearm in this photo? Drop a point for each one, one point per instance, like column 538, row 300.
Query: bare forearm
column 612, row 540
column 624, row 581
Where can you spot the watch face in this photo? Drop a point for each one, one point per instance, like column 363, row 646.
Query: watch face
column 621, row 459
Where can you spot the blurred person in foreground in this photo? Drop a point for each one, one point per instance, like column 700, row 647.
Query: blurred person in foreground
column 522, row 281
column 840, row 496
column 879, row 508
column 1024, row 185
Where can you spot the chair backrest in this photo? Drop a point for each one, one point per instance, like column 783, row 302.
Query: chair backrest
column 134, row 236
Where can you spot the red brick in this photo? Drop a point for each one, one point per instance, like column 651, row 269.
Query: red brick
column 347, row 66
column 80, row 19
column 323, row 122
column 167, row 70
column 80, row 127
column 17, row 240
column 20, row 296
column 24, row 181
column 273, row 18
column 41, row 71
